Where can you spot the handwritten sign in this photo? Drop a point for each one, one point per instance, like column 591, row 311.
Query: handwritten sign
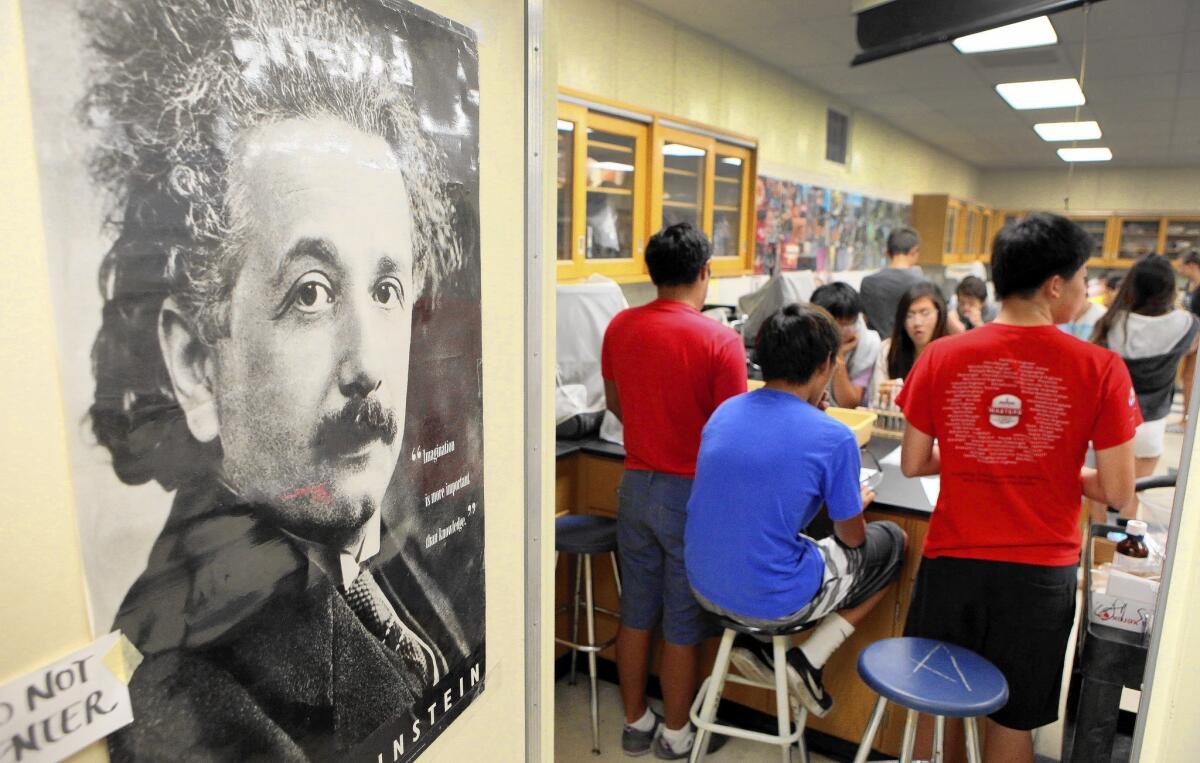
column 58, row 710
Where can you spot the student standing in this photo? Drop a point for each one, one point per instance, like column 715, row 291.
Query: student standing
column 666, row 368
column 859, row 349
column 769, row 461
column 1153, row 336
column 1013, row 406
column 1190, row 268
column 882, row 291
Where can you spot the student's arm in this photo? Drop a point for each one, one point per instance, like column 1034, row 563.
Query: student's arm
column 919, row 456
column 729, row 373
column 612, row 399
column 846, row 393
column 1112, row 481
column 852, row 532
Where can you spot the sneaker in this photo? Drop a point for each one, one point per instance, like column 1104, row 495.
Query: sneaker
column 635, row 742
column 804, row 682
column 664, row 751
column 756, row 661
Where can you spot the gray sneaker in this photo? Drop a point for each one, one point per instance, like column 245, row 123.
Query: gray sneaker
column 664, row 751
column 635, row 742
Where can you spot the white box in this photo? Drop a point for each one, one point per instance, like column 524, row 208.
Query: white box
column 1127, row 614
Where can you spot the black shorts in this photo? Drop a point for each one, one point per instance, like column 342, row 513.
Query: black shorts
column 1018, row 616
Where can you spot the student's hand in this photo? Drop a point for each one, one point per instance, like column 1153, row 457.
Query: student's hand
column 824, row 402
column 974, row 315
column 868, row 495
column 848, row 347
column 954, row 324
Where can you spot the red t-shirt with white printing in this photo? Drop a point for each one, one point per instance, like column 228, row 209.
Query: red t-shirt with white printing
column 1013, row 409
column 672, row 367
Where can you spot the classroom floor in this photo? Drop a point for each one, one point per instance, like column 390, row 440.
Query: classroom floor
column 572, row 724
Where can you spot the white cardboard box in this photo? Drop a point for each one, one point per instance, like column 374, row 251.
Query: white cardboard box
column 1119, row 612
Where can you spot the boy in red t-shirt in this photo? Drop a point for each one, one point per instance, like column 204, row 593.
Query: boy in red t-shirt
column 1012, row 406
column 666, row 368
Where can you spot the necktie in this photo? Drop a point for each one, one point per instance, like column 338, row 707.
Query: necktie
column 368, row 602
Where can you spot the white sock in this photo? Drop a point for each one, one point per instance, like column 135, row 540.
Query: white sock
column 679, row 739
column 645, row 723
column 826, row 638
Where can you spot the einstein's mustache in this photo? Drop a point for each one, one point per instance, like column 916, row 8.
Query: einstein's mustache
column 359, row 422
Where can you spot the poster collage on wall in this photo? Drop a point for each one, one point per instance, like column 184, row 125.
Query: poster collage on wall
column 262, row 226
column 800, row 226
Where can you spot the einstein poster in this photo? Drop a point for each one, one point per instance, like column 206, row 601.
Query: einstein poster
column 262, row 225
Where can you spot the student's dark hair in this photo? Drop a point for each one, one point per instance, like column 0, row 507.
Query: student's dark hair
column 972, row 286
column 903, row 352
column 677, row 254
column 1032, row 250
column 1113, row 281
column 839, row 299
column 1191, row 258
column 902, row 241
column 1148, row 289
column 794, row 341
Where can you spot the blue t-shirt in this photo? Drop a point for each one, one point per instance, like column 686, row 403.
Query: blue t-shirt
column 767, row 462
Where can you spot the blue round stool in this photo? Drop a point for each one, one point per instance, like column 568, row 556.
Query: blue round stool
column 931, row 677
column 585, row 535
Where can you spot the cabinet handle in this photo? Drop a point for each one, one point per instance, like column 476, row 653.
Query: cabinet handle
column 580, row 245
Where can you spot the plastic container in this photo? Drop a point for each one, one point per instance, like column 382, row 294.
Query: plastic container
column 859, row 421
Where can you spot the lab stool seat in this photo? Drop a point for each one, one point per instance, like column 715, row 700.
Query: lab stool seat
column 586, row 535
column 931, row 677
column 704, row 708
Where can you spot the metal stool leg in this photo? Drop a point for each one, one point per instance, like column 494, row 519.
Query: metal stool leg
column 972, row 733
column 801, row 714
column 910, row 737
column 712, row 695
column 616, row 574
column 939, row 738
column 864, row 747
column 575, row 614
column 782, row 705
column 591, row 634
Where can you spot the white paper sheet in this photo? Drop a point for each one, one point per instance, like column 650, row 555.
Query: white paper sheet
column 933, row 488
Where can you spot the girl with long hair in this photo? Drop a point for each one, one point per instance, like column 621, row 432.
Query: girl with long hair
column 920, row 319
column 1153, row 337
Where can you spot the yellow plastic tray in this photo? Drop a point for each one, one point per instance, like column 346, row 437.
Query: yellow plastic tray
column 860, row 422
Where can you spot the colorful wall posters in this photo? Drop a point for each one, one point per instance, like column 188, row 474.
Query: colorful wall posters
column 808, row 227
column 262, row 225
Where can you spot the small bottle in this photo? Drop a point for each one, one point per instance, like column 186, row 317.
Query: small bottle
column 1132, row 552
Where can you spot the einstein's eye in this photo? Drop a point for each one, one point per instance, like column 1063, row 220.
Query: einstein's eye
column 389, row 292
column 312, row 293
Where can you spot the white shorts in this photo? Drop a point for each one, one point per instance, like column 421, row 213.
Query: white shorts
column 1148, row 439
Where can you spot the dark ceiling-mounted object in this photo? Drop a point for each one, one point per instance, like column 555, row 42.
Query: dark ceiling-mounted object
column 902, row 25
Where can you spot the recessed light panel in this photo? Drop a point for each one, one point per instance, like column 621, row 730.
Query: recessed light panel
column 1067, row 130
column 1099, row 154
column 1031, row 33
column 1042, row 94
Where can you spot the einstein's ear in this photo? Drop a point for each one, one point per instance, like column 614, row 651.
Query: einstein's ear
column 189, row 362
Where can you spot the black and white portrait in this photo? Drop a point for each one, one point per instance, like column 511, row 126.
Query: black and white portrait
column 262, row 226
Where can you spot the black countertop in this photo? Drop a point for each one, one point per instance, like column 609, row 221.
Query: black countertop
column 896, row 492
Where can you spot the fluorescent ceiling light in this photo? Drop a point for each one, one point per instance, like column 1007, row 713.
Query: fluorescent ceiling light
column 1024, row 34
column 678, row 149
column 616, row 166
column 1100, row 154
column 1067, row 130
column 1043, row 94
column 565, row 126
column 736, row 162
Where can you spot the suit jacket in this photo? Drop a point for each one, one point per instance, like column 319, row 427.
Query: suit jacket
column 251, row 652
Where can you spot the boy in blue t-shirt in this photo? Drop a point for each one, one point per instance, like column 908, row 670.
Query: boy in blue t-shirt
column 768, row 460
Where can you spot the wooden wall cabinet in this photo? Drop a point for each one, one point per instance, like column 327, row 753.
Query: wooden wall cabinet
column 621, row 178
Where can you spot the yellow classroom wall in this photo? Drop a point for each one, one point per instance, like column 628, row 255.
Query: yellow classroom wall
column 1094, row 188
column 622, row 51
column 42, row 595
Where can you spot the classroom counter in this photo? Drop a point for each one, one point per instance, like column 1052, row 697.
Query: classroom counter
column 588, row 473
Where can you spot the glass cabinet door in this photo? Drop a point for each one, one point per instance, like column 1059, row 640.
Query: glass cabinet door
column 731, row 202
column 1097, row 229
column 1138, row 237
column 685, row 173
column 613, row 176
column 948, row 244
column 568, row 129
column 1183, row 236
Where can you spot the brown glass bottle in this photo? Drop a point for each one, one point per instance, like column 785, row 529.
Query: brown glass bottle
column 1134, row 545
